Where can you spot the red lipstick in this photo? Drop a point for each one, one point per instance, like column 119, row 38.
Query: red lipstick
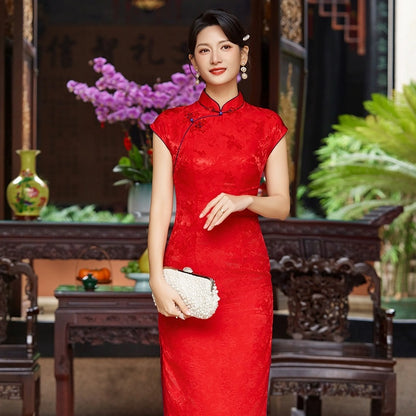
column 217, row 71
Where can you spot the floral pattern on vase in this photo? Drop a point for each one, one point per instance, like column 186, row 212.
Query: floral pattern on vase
column 27, row 194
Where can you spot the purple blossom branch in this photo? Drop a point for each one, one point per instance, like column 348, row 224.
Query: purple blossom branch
column 117, row 99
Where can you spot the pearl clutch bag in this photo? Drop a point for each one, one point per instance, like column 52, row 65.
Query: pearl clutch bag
column 199, row 293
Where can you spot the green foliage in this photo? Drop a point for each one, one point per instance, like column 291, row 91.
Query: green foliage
column 135, row 167
column 132, row 267
column 301, row 210
column 74, row 213
column 369, row 162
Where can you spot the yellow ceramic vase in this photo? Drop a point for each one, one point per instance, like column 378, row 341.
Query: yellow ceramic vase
column 27, row 194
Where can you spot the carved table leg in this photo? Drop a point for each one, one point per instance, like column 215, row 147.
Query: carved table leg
column 300, row 402
column 386, row 406
column 37, row 396
column 313, row 406
column 28, row 396
column 63, row 367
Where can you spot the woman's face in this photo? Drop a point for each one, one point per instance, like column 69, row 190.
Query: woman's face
column 217, row 59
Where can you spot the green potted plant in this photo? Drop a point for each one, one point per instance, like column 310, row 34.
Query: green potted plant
column 371, row 161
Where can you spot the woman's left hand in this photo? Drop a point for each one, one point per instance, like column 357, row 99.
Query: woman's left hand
column 219, row 208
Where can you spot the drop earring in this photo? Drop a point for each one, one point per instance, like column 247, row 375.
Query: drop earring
column 243, row 70
column 197, row 78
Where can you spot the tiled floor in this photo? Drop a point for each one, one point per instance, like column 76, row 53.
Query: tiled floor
column 131, row 387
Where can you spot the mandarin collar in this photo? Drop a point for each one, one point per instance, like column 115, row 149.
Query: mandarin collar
column 234, row 104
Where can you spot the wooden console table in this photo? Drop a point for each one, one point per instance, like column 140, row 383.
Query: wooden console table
column 113, row 314
column 358, row 240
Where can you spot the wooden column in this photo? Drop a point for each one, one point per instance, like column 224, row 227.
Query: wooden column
column 18, row 74
column 3, row 17
column 24, row 73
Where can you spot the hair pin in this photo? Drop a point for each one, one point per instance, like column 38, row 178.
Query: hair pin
column 246, row 38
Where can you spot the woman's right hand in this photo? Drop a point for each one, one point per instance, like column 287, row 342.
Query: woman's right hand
column 167, row 300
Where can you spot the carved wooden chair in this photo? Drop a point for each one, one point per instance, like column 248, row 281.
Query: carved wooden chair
column 19, row 367
column 317, row 359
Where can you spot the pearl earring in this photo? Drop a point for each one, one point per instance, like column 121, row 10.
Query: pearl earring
column 243, row 70
column 197, row 78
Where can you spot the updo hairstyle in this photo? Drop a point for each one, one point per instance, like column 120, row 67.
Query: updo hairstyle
column 229, row 24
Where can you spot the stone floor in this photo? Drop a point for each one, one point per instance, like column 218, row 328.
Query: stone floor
column 131, row 387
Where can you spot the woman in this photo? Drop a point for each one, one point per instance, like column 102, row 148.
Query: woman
column 215, row 152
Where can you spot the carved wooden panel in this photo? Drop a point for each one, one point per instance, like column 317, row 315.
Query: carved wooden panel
column 336, row 388
column 11, row 391
column 291, row 20
column 359, row 240
column 11, row 273
column 144, row 319
column 113, row 335
column 317, row 291
column 69, row 241
column 318, row 307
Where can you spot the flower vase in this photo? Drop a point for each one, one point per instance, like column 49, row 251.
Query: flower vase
column 138, row 202
column 27, row 194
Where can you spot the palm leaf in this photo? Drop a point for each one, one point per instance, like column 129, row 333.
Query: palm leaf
column 349, row 176
column 357, row 210
column 409, row 94
column 382, row 107
column 369, row 162
column 389, row 138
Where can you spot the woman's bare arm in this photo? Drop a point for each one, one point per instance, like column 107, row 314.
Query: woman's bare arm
column 275, row 205
column 167, row 300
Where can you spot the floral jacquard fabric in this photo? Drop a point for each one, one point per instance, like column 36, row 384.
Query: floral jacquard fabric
column 219, row 367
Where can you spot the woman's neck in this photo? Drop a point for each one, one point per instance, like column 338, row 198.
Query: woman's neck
column 221, row 93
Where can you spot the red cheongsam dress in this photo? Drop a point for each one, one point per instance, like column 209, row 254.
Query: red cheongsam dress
column 219, row 366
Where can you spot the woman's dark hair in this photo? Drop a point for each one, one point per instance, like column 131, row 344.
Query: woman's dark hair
column 229, row 24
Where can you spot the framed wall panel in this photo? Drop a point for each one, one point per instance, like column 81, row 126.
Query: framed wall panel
column 287, row 77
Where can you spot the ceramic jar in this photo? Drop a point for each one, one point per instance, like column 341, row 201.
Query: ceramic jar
column 27, row 194
column 138, row 202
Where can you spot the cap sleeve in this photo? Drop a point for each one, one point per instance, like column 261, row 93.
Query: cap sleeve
column 170, row 126
column 278, row 131
column 160, row 128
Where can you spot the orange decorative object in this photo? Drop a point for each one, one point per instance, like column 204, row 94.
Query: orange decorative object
column 102, row 275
